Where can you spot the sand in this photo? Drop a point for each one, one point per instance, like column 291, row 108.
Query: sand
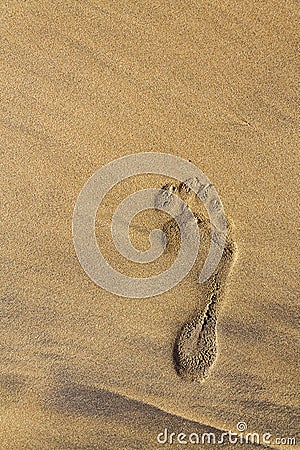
column 84, row 83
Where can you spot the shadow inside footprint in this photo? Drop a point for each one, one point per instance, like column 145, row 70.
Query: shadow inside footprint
column 195, row 348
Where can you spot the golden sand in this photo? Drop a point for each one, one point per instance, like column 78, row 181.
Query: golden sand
column 84, row 83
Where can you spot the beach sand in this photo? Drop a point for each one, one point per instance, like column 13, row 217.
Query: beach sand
column 83, row 83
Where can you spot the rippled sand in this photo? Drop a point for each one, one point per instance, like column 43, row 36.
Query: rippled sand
column 84, row 83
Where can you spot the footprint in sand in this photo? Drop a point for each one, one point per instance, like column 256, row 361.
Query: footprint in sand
column 195, row 348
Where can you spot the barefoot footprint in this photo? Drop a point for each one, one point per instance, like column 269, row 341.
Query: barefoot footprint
column 195, row 348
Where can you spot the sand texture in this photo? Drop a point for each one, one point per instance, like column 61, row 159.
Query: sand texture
column 83, row 83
